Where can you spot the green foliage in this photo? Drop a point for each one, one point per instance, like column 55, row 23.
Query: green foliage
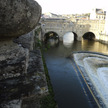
column 47, row 46
column 38, row 42
column 48, row 101
column 37, row 31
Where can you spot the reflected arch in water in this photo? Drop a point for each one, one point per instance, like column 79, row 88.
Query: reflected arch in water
column 89, row 36
column 68, row 45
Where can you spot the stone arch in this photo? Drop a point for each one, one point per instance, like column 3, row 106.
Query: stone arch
column 89, row 36
column 75, row 36
column 51, row 34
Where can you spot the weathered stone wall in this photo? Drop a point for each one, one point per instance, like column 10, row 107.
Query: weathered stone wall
column 22, row 77
column 25, row 90
column 17, row 17
column 13, row 60
column 26, row 40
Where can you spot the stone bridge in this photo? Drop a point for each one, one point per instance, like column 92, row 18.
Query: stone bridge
column 79, row 28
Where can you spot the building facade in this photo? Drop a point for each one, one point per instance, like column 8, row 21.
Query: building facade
column 97, row 14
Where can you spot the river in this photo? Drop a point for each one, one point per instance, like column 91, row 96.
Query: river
column 69, row 90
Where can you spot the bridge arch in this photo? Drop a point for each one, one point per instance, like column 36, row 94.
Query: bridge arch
column 75, row 36
column 51, row 34
column 89, row 36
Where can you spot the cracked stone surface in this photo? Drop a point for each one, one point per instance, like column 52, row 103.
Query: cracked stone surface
column 25, row 91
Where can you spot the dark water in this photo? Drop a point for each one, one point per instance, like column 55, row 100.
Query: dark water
column 69, row 91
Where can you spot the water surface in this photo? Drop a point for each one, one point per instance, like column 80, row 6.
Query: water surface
column 68, row 89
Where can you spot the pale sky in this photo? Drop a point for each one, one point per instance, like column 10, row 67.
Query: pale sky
column 71, row 6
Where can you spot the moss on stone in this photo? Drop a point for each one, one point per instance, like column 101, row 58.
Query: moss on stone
column 48, row 100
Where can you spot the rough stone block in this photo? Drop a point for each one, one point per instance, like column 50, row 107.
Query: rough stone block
column 18, row 17
column 26, row 41
column 13, row 60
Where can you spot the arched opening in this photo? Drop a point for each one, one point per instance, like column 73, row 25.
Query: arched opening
column 51, row 37
column 68, row 39
column 89, row 36
column 75, row 36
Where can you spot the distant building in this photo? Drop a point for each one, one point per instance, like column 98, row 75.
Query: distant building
column 106, row 24
column 50, row 15
column 46, row 15
column 98, row 14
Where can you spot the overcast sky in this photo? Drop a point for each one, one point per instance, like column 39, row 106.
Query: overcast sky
column 71, row 6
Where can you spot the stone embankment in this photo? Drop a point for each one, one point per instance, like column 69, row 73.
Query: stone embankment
column 22, row 77
column 94, row 69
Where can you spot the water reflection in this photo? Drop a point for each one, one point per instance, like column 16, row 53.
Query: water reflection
column 68, row 45
column 94, row 46
column 64, row 49
column 68, row 91
column 84, row 45
column 53, row 42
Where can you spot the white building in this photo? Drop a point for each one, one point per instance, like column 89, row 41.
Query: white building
column 97, row 14
column 106, row 24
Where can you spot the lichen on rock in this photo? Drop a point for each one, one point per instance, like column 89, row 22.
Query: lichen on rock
column 18, row 17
